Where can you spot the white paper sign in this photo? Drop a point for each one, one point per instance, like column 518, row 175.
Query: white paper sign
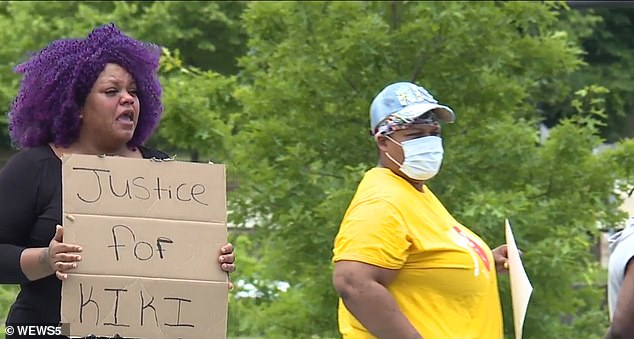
column 521, row 287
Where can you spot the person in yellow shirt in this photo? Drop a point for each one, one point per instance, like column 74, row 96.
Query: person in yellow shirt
column 403, row 266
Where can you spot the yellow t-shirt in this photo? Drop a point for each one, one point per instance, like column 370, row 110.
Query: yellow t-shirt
column 446, row 286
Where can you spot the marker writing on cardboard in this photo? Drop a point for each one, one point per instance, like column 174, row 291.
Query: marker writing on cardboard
column 103, row 186
column 142, row 249
column 144, row 305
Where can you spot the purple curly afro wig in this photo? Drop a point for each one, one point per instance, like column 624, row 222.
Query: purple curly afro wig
column 57, row 79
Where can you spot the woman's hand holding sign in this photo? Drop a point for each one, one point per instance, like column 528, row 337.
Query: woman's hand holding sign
column 60, row 256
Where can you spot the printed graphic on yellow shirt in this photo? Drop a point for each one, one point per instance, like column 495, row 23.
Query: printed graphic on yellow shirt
column 464, row 240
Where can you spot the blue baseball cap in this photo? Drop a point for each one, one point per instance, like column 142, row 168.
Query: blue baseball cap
column 405, row 101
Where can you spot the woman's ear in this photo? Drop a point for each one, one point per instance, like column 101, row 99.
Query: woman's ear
column 381, row 142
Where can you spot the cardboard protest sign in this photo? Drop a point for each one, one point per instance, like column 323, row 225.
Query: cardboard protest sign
column 151, row 233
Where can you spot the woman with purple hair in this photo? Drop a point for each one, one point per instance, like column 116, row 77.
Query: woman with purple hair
column 98, row 95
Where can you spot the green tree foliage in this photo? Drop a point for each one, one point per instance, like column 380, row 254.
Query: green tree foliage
column 290, row 120
column 7, row 296
column 606, row 37
column 611, row 54
column 199, row 111
column 309, row 75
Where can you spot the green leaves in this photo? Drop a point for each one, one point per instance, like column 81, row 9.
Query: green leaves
column 7, row 297
column 199, row 110
column 280, row 93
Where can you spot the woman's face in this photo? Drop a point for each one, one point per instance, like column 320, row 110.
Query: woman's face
column 391, row 145
column 111, row 111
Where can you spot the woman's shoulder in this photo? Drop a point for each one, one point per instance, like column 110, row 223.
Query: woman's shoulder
column 32, row 161
column 33, row 154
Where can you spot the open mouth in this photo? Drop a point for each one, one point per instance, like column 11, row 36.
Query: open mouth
column 126, row 117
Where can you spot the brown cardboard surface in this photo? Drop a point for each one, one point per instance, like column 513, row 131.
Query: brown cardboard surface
column 147, row 247
column 143, row 188
column 147, row 250
column 144, row 308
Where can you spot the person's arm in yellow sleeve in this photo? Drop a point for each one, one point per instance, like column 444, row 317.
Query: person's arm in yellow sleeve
column 363, row 289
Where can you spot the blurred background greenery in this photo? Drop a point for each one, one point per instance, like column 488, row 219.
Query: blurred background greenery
column 280, row 91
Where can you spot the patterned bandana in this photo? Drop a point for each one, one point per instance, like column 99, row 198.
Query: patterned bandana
column 394, row 123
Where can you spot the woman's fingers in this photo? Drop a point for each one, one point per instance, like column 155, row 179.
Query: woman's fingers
column 61, row 253
column 226, row 249
column 61, row 275
column 64, row 248
column 65, row 266
column 65, row 257
column 227, row 258
column 228, row 267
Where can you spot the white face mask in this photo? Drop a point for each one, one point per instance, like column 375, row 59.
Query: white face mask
column 423, row 157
